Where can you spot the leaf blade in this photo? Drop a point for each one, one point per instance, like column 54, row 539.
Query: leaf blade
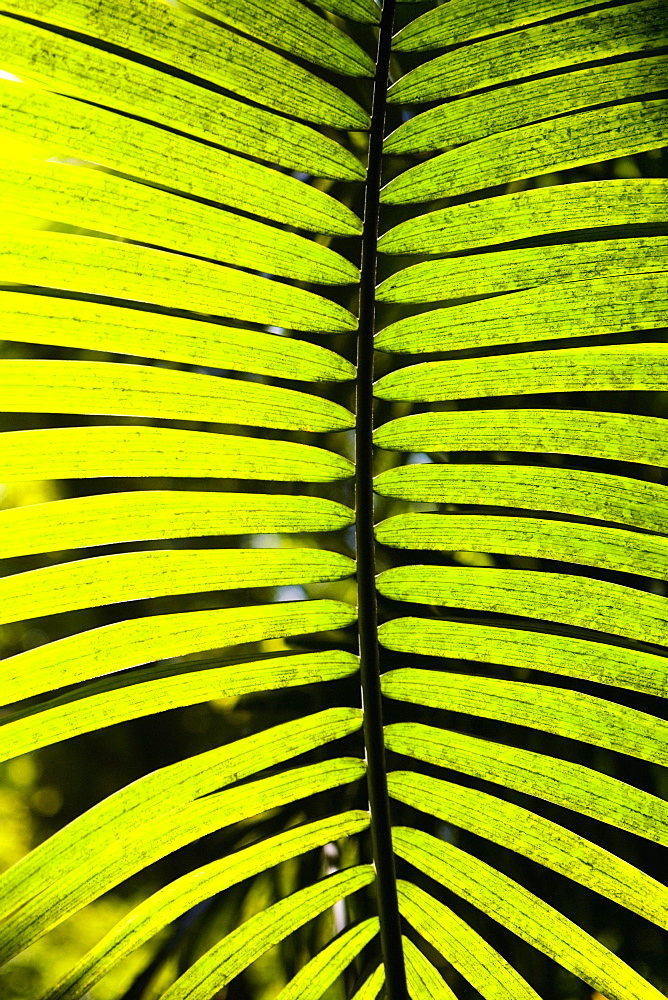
column 557, row 597
column 69, row 67
column 596, row 661
column 584, row 544
column 134, row 516
column 467, row 951
column 148, row 799
column 121, row 645
column 288, row 25
column 97, row 706
column 176, row 898
column 115, row 206
column 535, row 50
column 422, row 978
column 573, row 786
column 247, row 942
column 103, row 387
column 134, row 849
column 97, row 452
column 567, row 713
column 535, row 837
column 525, row 914
column 599, row 495
column 615, row 436
column 479, row 115
column 64, row 322
column 314, row 979
column 133, row 576
column 121, row 270
column 44, row 121
column 534, row 150
column 579, row 369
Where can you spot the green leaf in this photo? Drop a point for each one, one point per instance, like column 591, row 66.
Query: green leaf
column 579, row 369
column 551, row 709
column 175, row 38
column 549, row 312
column 235, row 952
column 357, row 10
column 621, row 437
column 314, row 979
column 134, row 390
column 567, row 491
column 556, row 597
column 95, row 200
column 508, row 270
column 588, row 545
column 558, row 654
column 372, row 986
column 123, row 517
column 64, row 322
column 440, row 27
column 54, row 125
column 70, row 67
column 94, row 452
column 130, row 643
column 178, row 897
column 519, row 216
column 459, row 944
column 131, row 576
column 107, row 267
column 102, row 704
column 180, row 186
column 149, row 801
column 534, row 50
column 572, row 786
column 534, row 837
column 494, row 111
column 558, row 144
column 424, row 982
column 525, row 914
column 135, row 848
column 289, row 25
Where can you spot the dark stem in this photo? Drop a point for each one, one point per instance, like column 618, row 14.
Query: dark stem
column 381, row 834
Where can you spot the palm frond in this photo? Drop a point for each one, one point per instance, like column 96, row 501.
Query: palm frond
column 182, row 183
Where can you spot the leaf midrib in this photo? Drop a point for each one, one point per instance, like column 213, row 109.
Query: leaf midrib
column 381, row 835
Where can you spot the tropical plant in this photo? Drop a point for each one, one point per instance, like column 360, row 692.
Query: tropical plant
column 151, row 254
